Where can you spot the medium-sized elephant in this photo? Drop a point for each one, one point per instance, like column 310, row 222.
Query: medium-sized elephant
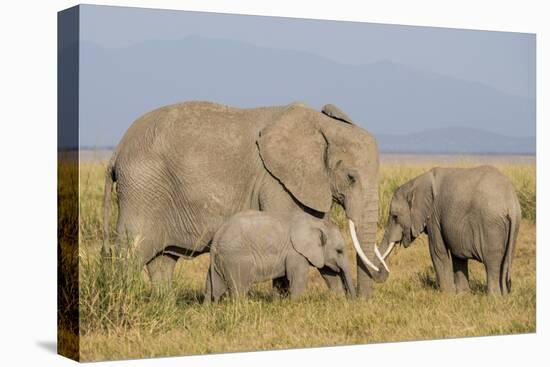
column 254, row 246
column 467, row 213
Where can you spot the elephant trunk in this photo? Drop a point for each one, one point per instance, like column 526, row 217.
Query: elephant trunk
column 386, row 246
column 367, row 224
column 345, row 274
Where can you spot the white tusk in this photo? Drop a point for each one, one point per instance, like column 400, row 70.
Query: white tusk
column 358, row 249
column 388, row 250
column 377, row 253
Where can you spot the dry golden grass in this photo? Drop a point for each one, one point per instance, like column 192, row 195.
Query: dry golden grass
column 122, row 317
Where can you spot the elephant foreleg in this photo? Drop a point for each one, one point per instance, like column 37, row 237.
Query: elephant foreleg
column 442, row 262
column 208, row 286
column 333, row 280
column 296, row 271
column 460, row 268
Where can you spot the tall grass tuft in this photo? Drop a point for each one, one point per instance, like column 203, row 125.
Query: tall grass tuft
column 115, row 295
column 67, row 256
column 524, row 180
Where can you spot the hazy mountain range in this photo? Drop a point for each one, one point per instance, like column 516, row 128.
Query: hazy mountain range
column 456, row 140
column 409, row 110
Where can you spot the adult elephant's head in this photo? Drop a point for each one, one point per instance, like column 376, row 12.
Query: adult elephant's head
column 325, row 157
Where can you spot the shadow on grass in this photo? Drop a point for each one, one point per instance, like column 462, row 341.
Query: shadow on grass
column 427, row 279
column 188, row 297
column 478, row 287
column 261, row 295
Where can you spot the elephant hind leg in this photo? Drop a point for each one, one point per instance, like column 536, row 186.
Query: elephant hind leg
column 133, row 240
column 492, row 269
column 460, row 269
column 136, row 250
column 238, row 288
column 239, row 277
column 215, row 286
column 494, row 246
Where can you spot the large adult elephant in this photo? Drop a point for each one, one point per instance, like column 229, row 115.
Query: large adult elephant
column 182, row 170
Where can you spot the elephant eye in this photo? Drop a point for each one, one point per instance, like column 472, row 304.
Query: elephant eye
column 340, row 251
column 351, row 178
column 394, row 216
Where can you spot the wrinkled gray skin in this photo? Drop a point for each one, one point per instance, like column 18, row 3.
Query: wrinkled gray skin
column 182, row 170
column 468, row 213
column 256, row 246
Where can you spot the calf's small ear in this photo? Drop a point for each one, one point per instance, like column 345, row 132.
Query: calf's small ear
column 308, row 240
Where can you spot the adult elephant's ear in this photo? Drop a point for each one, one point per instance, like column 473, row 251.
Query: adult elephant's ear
column 308, row 240
column 293, row 149
column 332, row 111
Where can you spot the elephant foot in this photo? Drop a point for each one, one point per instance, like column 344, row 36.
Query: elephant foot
column 462, row 289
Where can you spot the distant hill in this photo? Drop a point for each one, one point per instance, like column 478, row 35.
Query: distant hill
column 119, row 85
column 455, row 140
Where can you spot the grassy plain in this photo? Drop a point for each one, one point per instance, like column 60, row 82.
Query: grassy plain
column 122, row 317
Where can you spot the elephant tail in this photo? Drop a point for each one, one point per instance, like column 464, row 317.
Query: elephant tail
column 107, row 194
column 505, row 280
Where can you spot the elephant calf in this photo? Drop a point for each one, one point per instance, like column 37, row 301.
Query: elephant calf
column 254, row 246
column 468, row 213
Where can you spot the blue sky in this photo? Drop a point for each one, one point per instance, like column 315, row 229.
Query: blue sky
column 391, row 79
